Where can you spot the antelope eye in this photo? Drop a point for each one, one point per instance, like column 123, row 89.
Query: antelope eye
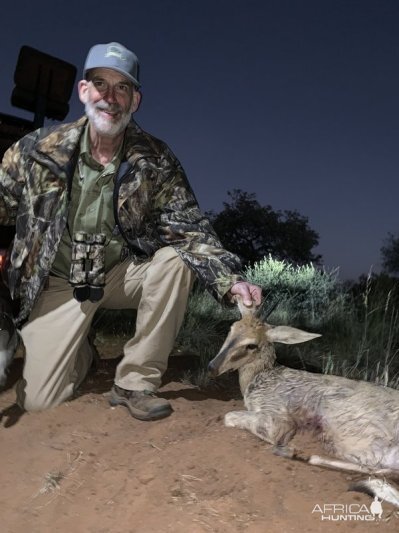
column 251, row 346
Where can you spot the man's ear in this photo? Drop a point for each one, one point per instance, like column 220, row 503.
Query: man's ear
column 83, row 91
column 135, row 101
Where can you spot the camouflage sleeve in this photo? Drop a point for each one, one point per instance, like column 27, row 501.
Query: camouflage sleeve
column 11, row 185
column 182, row 225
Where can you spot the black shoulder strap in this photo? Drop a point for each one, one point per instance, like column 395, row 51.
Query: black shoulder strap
column 122, row 170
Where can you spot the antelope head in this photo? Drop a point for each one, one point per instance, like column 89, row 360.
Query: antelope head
column 251, row 340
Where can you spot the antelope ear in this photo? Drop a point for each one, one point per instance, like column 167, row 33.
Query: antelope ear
column 289, row 335
column 244, row 309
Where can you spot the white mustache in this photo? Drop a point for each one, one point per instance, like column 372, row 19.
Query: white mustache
column 112, row 108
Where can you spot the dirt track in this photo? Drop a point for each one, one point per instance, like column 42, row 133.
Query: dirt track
column 87, row 467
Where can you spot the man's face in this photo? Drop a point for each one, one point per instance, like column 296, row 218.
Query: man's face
column 109, row 100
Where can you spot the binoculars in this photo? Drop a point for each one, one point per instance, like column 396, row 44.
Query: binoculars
column 87, row 274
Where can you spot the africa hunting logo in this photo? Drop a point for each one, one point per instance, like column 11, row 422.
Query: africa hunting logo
column 354, row 512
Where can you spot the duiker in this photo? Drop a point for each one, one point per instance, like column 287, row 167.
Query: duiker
column 357, row 422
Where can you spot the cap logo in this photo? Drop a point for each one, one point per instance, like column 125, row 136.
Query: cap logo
column 115, row 51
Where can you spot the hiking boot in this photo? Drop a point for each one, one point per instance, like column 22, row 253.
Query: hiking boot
column 144, row 405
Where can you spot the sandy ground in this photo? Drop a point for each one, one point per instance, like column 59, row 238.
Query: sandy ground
column 87, row 467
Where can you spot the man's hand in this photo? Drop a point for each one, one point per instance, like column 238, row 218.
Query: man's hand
column 250, row 294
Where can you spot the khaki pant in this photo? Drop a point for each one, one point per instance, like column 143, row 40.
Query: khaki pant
column 58, row 355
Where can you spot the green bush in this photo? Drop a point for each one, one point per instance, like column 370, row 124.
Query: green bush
column 298, row 294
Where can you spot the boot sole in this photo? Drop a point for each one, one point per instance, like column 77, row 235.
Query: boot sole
column 155, row 414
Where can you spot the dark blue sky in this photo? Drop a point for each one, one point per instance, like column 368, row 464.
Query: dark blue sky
column 296, row 101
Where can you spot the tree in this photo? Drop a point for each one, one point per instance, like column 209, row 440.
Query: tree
column 253, row 231
column 390, row 254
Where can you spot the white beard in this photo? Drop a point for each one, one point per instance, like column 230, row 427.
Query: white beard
column 101, row 124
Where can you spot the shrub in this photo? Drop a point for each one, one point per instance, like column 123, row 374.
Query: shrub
column 298, row 294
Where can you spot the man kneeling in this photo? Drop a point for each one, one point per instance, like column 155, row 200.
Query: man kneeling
column 105, row 218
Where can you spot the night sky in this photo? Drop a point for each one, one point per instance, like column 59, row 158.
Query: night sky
column 296, row 101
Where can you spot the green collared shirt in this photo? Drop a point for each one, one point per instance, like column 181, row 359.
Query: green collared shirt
column 91, row 207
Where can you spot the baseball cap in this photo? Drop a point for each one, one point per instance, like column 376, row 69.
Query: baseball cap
column 116, row 57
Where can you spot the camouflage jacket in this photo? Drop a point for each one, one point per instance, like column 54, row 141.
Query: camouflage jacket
column 154, row 206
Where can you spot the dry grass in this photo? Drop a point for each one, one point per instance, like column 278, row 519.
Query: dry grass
column 52, row 481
